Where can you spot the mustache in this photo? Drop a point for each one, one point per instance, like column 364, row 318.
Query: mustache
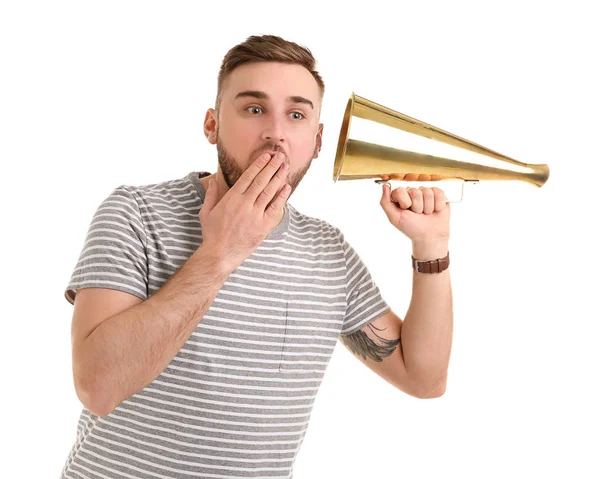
column 270, row 147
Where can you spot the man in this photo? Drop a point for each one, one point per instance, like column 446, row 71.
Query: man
column 207, row 307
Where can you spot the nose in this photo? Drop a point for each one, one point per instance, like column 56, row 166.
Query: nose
column 274, row 130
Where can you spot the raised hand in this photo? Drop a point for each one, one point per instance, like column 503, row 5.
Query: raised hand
column 422, row 214
column 234, row 227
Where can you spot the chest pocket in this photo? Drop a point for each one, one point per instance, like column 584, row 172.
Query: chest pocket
column 309, row 338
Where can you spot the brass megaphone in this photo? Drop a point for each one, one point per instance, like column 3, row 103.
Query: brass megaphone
column 420, row 160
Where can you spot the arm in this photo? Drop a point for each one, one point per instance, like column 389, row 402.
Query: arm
column 413, row 354
column 116, row 357
column 427, row 327
column 120, row 345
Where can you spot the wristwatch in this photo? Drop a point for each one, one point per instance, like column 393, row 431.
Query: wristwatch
column 431, row 266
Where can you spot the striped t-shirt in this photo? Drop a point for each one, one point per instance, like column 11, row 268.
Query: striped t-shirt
column 235, row 401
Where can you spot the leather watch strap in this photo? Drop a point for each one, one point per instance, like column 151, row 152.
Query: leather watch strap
column 432, row 266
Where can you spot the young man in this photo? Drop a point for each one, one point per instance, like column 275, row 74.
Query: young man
column 207, row 307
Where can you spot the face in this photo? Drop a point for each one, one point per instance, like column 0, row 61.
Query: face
column 266, row 107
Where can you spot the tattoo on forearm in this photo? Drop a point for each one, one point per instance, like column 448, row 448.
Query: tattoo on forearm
column 362, row 345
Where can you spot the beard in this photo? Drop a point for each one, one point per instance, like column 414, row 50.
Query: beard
column 232, row 171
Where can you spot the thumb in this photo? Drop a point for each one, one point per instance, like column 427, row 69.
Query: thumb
column 212, row 196
column 386, row 201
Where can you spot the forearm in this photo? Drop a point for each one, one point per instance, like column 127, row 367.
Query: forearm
column 128, row 351
column 427, row 328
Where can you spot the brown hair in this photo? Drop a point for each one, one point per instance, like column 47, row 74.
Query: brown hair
column 267, row 48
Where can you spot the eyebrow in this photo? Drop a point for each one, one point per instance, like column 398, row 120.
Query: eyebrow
column 261, row 95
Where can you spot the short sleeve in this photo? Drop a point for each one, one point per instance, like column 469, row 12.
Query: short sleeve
column 114, row 253
column 364, row 302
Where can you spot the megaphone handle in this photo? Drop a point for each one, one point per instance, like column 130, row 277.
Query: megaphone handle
column 462, row 193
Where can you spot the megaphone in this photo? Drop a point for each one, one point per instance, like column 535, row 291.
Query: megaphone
column 425, row 153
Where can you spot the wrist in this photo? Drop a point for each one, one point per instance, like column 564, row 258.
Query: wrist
column 214, row 261
column 430, row 249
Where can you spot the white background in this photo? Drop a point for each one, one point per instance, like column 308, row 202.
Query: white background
column 94, row 95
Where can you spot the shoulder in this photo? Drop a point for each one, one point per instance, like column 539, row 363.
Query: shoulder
column 313, row 226
column 325, row 232
column 173, row 187
column 142, row 203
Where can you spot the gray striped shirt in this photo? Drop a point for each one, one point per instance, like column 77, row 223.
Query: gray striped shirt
column 235, row 401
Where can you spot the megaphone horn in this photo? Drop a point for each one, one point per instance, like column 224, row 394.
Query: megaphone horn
column 462, row 159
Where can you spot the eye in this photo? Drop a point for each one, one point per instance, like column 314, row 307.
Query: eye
column 255, row 110
column 296, row 115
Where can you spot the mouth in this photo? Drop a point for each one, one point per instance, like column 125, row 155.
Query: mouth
column 274, row 152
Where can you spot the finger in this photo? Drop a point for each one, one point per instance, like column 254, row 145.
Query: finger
column 273, row 187
column 385, row 195
column 211, row 198
column 244, row 182
column 428, row 200
column 402, row 198
column 440, row 199
column 416, row 197
column 389, row 207
column 276, row 206
column 260, row 181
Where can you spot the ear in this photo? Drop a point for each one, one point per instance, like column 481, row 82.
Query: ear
column 210, row 126
column 319, row 141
